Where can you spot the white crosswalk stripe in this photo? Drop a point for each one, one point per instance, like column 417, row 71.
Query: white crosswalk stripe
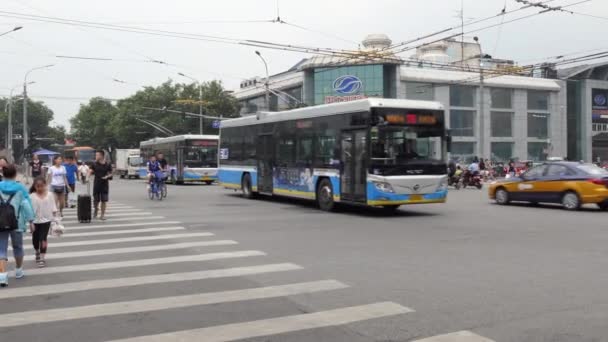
column 84, row 226
column 112, row 214
column 120, row 219
column 128, row 250
column 144, row 280
column 130, row 226
column 273, row 326
column 129, row 239
column 144, row 262
column 119, row 232
column 137, row 306
column 460, row 336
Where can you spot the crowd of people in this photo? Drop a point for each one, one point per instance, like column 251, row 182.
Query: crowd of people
column 486, row 169
column 40, row 209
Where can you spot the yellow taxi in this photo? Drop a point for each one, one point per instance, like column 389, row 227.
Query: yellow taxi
column 570, row 184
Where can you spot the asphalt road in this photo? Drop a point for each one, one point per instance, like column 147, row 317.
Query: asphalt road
column 208, row 265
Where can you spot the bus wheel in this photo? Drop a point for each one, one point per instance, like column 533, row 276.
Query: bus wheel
column 208, row 182
column 246, row 186
column 325, row 195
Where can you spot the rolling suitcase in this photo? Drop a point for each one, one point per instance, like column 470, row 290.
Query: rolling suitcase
column 84, row 206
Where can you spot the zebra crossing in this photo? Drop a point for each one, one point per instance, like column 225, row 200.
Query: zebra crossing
column 143, row 233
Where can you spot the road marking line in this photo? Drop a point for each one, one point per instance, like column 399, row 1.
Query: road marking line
column 121, row 219
column 144, row 280
column 117, row 232
column 89, row 226
column 127, row 239
column 165, row 303
column 279, row 325
column 144, row 262
column 111, row 214
column 128, row 250
column 109, row 207
column 122, row 211
column 460, row 336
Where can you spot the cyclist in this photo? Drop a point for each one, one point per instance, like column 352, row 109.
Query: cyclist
column 153, row 167
column 164, row 167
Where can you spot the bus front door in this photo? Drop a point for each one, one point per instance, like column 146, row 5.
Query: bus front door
column 265, row 152
column 353, row 178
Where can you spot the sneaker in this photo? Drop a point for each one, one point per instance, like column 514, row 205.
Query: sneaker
column 41, row 263
column 3, row 279
column 19, row 273
column 37, row 256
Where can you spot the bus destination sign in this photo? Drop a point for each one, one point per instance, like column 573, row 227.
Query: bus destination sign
column 410, row 119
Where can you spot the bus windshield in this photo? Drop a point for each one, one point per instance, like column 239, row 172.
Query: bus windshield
column 393, row 145
column 200, row 156
column 86, row 156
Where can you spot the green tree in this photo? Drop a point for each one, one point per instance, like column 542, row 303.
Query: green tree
column 39, row 131
column 122, row 125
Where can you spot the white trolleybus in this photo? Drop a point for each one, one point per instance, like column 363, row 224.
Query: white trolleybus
column 375, row 152
column 191, row 158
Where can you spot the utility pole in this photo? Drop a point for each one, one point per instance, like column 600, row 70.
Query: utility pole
column 25, row 129
column 266, row 84
column 200, row 100
column 481, row 112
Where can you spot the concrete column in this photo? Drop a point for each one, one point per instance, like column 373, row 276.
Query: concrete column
column 520, row 123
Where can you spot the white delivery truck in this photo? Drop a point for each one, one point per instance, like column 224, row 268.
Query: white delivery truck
column 128, row 162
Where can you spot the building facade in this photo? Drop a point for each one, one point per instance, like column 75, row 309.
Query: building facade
column 587, row 111
column 490, row 115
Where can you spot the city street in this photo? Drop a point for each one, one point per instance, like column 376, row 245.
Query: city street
column 208, row 265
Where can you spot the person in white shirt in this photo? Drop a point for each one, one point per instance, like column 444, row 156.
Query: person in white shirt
column 83, row 170
column 57, row 175
column 45, row 211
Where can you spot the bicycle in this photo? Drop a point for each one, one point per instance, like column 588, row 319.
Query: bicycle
column 163, row 189
column 156, row 187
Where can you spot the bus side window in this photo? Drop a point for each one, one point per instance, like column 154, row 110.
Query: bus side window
column 304, row 152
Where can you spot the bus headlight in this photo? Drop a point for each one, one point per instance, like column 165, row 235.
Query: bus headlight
column 384, row 187
column 443, row 184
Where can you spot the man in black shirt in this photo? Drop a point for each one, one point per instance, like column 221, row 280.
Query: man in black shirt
column 161, row 159
column 102, row 171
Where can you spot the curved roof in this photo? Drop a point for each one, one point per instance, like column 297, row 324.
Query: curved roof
column 598, row 71
column 331, row 109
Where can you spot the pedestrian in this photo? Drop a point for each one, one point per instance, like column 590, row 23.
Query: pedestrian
column 102, row 170
column 36, row 166
column 511, row 169
column 71, row 172
column 83, row 170
column 45, row 212
column 14, row 194
column 59, row 182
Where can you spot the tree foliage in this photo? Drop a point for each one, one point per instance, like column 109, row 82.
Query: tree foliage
column 41, row 134
column 101, row 123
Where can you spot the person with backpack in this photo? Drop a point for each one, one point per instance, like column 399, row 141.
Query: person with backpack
column 15, row 215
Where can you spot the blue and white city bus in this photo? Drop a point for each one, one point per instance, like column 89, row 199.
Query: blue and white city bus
column 191, row 158
column 375, row 152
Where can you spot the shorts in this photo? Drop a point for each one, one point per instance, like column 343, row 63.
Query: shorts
column 16, row 237
column 58, row 189
column 72, row 187
column 101, row 196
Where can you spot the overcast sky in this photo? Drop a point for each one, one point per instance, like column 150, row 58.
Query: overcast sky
column 37, row 43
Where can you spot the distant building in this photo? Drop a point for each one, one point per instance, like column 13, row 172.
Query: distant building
column 515, row 116
column 587, row 111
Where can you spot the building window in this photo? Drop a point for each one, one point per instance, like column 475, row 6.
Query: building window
column 462, row 96
column 502, row 151
column 462, row 150
column 419, row 91
column 502, row 124
column 538, row 100
column 537, row 151
column 538, row 125
column 462, row 123
column 501, row 98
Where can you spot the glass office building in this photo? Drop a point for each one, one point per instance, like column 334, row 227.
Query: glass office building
column 501, row 118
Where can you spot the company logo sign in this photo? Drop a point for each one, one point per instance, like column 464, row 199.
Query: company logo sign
column 600, row 100
column 347, row 85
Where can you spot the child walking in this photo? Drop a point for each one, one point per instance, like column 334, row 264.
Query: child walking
column 45, row 211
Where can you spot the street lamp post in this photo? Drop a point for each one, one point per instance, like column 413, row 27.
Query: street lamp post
column 9, row 134
column 25, row 134
column 17, row 28
column 266, row 85
column 200, row 99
